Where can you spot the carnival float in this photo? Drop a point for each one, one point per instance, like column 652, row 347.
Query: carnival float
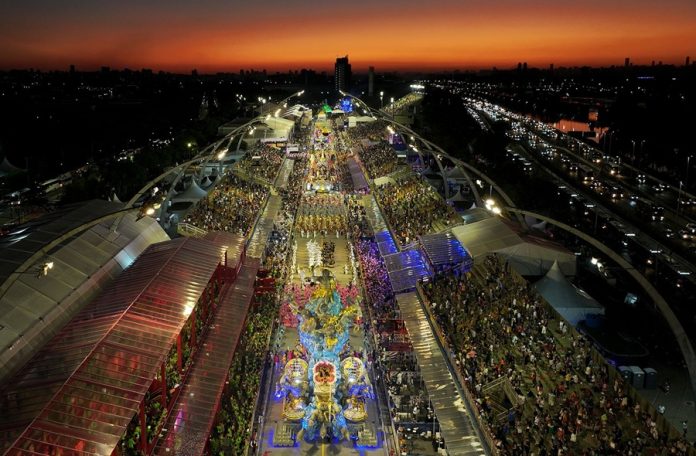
column 328, row 389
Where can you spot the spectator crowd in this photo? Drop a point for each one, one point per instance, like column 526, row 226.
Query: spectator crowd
column 231, row 206
column 568, row 400
column 262, row 161
column 413, row 208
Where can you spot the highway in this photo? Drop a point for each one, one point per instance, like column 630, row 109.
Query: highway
column 586, row 175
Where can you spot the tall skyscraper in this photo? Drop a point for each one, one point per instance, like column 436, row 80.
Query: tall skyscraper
column 342, row 74
column 371, row 81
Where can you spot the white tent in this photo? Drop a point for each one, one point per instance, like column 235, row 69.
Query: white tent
column 529, row 255
column 540, row 226
column 572, row 303
column 456, row 173
column 206, row 182
column 485, row 236
column 456, row 198
column 193, row 193
column 532, row 258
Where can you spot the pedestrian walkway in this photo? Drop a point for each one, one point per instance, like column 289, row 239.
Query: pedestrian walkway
column 455, row 421
column 374, row 215
column 264, row 226
column 281, row 181
column 193, row 415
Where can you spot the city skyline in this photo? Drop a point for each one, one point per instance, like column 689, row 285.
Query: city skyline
column 446, row 35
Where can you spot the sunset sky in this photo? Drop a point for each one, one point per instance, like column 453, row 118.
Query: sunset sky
column 216, row 35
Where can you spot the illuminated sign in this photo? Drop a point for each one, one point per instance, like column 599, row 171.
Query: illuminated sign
column 347, row 105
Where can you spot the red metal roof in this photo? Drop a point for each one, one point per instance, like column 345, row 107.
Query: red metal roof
column 193, row 416
column 125, row 334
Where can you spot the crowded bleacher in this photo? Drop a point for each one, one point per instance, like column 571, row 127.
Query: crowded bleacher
column 379, row 158
column 263, row 161
column 231, row 206
column 565, row 398
column 413, row 208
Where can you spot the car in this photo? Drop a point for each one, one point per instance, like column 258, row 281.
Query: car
column 616, row 193
column 691, row 227
column 657, row 213
column 598, row 187
column 669, row 233
column 659, row 188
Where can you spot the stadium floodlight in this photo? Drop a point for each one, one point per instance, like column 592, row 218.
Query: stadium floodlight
column 44, row 268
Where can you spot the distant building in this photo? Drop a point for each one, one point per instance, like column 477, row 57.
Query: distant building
column 686, row 62
column 627, row 62
column 371, row 81
column 342, row 74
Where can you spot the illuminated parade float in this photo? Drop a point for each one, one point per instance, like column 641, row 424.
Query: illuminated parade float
column 329, row 388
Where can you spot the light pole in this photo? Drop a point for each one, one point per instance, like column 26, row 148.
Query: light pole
column 392, row 105
column 381, row 104
column 642, row 143
column 611, row 140
column 688, row 162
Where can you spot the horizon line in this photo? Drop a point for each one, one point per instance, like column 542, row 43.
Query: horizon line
column 276, row 70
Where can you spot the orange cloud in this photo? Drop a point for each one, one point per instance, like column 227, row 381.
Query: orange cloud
column 401, row 36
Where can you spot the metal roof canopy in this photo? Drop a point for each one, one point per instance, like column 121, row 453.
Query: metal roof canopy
column 33, row 308
column 126, row 333
column 443, row 249
column 405, row 269
column 194, row 413
column 26, row 239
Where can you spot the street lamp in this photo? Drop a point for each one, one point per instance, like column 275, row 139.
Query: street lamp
column 688, row 161
column 392, row 106
column 381, row 105
column 43, row 270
